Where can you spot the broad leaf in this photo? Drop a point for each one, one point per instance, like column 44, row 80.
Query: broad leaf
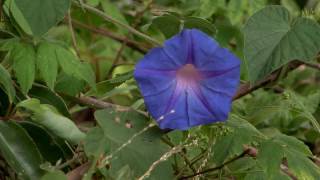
column 96, row 144
column 199, row 23
column 273, row 151
column 273, row 38
column 239, row 133
column 24, row 57
column 141, row 151
column 47, row 64
column 19, row 150
column 73, row 66
column 51, row 147
column 168, row 24
column 46, row 96
column 55, row 175
column 38, row 17
column 111, row 9
column 6, row 83
column 48, row 117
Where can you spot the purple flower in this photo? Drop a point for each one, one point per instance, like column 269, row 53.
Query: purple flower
column 189, row 81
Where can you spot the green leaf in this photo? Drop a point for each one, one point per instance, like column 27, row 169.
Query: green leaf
column 199, row 23
column 73, row 66
column 111, row 9
column 24, row 57
column 303, row 108
column 20, row 151
column 46, row 96
column 168, row 24
column 121, row 78
column 209, row 7
column 47, row 63
column 238, row 10
column 296, row 153
column 55, row 175
column 8, row 44
column 69, row 85
column 292, row 6
column 48, row 117
column 38, row 17
column 273, row 38
column 239, row 133
column 6, row 83
column 51, row 147
column 96, row 144
column 144, row 149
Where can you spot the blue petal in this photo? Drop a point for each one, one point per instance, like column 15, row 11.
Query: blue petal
column 209, row 56
column 157, row 59
column 155, row 81
column 178, row 48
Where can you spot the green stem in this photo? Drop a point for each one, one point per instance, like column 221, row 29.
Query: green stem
column 114, row 21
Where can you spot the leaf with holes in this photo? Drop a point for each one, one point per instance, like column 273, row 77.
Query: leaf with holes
column 143, row 148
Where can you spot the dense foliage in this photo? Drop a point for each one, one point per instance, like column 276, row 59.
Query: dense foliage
column 71, row 109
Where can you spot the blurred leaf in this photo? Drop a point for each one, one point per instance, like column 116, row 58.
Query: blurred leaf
column 73, row 66
column 46, row 96
column 296, row 153
column 47, row 64
column 199, row 23
column 298, row 105
column 8, row 44
column 93, row 3
column 124, row 173
column 168, row 24
column 144, row 149
column 273, row 38
column 24, row 57
column 20, row 151
column 55, row 175
column 209, row 7
column 6, row 83
column 48, row 117
column 121, row 78
column 38, row 17
column 292, row 7
column 51, row 148
column 238, row 11
column 4, row 103
column 111, row 9
column 96, row 144
column 69, row 85
column 239, row 133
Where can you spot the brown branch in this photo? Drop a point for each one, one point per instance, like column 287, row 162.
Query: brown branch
column 248, row 151
column 247, row 88
column 137, row 19
column 142, row 48
column 99, row 104
column 73, row 36
column 315, row 66
column 78, row 173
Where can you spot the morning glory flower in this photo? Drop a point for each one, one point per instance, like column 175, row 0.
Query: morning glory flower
column 189, row 81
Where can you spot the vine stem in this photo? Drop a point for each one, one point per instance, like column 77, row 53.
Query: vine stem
column 114, row 21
